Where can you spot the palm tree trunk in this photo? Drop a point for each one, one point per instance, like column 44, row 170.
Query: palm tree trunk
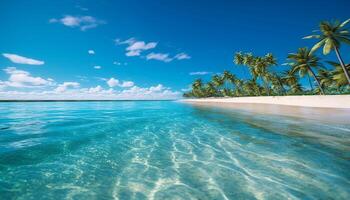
column 266, row 86
column 259, row 93
column 318, row 82
column 283, row 89
column 342, row 64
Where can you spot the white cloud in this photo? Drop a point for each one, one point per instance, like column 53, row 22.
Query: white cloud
column 141, row 45
column 22, row 79
column 83, row 22
column 63, row 87
column 199, row 73
column 22, row 60
column 112, row 82
column 157, row 88
column 128, row 41
column 159, row 56
column 133, row 53
column 182, row 56
column 95, row 93
column 92, row 52
column 95, row 89
column 135, row 48
column 97, row 67
column 127, row 84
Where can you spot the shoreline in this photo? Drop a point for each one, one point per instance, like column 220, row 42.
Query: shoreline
column 315, row 101
column 316, row 107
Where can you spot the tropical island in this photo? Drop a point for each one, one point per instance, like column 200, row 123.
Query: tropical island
column 324, row 77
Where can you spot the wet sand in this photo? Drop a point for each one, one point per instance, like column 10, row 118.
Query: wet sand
column 333, row 115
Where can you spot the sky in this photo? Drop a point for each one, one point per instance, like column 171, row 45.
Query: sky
column 150, row 49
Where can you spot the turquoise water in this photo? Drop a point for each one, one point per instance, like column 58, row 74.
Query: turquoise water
column 167, row 150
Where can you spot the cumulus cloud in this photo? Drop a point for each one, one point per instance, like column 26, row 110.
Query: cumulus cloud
column 95, row 89
column 159, row 56
column 91, row 52
column 65, row 85
column 135, row 48
column 95, row 93
column 22, row 79
column 182, row 56
column 112, row 82
column 97, row 67
column 22, row 60
column 199, row 73
column 127, row 84
column 157, row 88
column 82, row 22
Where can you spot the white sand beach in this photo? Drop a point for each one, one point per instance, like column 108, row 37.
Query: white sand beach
column 323, row 108
column 319, row 101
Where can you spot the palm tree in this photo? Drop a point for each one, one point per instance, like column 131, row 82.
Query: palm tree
column 227, row 77
column 245, row 59
column 217, row 81
column 197, row 89
column 251, row 88
column 277, row 83
column 291, row 81
column 238, row 84
column 303, row 62
column 337, row 74
column 325, row 77
column 210, row 89
column 258, row 66
column 332, row 34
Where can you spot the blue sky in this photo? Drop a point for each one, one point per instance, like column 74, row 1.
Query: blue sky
column 143, row 49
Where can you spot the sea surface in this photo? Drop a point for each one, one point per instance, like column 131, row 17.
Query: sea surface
column 167, row 150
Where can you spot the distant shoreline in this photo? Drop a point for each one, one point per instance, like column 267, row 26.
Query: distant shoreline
column 315, row 101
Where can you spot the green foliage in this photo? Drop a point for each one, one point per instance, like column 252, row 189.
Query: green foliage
column 333, row 79
column 332, row 34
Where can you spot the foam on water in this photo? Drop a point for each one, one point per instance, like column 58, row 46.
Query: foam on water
column 167, row 150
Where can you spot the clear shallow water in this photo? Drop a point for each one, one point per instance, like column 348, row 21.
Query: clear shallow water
column 167, row 150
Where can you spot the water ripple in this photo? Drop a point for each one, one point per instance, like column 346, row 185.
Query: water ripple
column 166, row 150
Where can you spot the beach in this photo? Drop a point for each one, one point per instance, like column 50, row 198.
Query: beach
column 334, row 109
column 316, row 101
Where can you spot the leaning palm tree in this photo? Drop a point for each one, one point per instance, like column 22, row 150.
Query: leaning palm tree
column 258, row 66
column 227, row 78
column 325, row 77
column 197, row 88
column 251, row 88
column 331, row 36
column 210, row 90
column 238, row 87
column 276, row 83
column 247, row 60
column 291, row 81
column 337, row 74
column 303, row 62
column 217, row 81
